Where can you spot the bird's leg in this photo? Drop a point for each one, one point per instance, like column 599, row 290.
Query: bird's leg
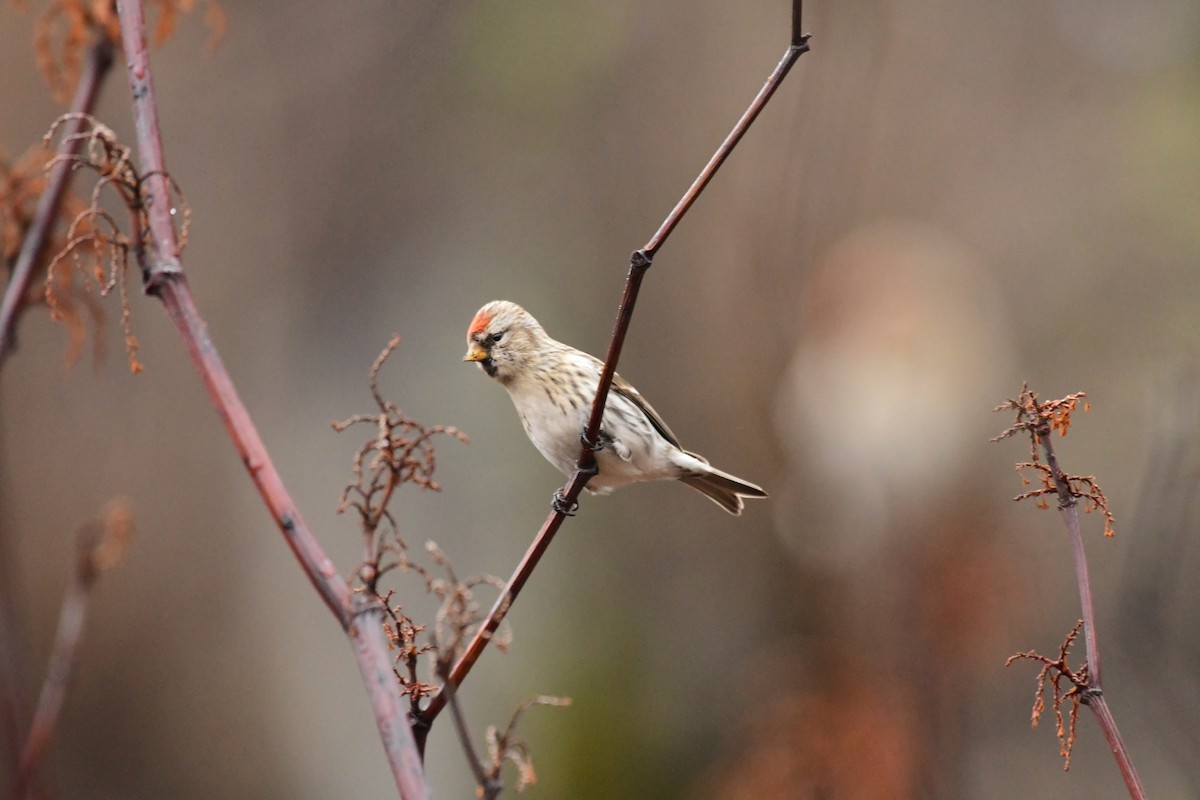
column 559, row 503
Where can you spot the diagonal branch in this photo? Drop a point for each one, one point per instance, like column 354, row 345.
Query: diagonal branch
column 99, row 59
column 638, row 265
column 163, row 276
column 641, row 259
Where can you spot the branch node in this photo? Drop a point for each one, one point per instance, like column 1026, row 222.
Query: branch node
column 641, row 259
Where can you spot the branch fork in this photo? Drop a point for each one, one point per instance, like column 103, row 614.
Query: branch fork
column 157, row 246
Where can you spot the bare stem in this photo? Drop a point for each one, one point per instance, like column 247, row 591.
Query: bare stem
column 58, row 677
column 500, row 608
column 99, row 59
column 163, row 276
column 1093, row 697
column 1069, row 507
column 1099, row 706
column 181, row 308
column 99, row 546
column 641, row 259
column 379, row 679
column 638, row 265
column 1040, row 421
column 488, row 788
column 12, row 709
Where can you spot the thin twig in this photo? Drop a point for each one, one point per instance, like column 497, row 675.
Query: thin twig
column 488, row 788
column 1068, row 506
column 100, row 546
column 163, row 276
column 641, row 259
column 638, row 265
column 505, row 746
column 99, row 60
column 54, row 688
column 1040, row 420
column 12, row 707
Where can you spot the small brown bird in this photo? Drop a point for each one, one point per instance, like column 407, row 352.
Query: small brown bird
column 553, row 385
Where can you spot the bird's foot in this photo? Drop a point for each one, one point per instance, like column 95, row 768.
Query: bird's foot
column 562, row 505
column 602, row 439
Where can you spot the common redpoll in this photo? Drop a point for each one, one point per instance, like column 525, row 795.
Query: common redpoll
column 553, row 385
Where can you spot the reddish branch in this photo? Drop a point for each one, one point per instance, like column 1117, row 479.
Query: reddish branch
column 99, row 59
column 638, row 265
column 1040, row 420
column 163, row 277
column 100, row 547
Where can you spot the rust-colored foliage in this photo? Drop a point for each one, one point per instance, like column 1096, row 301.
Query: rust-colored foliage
column 95, row 243
column 1040, row 419
column 1082, row 487
column 64, row 28
column 91, row 252
column 1051, row 674
column 21, row 185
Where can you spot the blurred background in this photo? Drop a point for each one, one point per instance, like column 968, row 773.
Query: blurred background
column 944, row 200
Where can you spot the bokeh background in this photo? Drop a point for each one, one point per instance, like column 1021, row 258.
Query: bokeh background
column 944, row 200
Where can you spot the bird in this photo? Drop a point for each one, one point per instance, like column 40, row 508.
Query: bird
column 553, row 385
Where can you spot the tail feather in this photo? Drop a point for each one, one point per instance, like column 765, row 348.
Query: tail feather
column 722, row 488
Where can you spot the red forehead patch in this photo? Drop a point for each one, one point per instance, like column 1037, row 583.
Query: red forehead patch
column 478, row 324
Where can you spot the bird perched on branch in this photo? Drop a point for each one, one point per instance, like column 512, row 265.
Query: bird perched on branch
column 553, row 386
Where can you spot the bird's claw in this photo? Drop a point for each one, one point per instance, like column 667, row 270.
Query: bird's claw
column 562, row 505
column 595, row 446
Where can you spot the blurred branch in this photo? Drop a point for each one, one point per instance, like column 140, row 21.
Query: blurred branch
column 488, row 786
column 505, row 746
column 99, row 59
column 1040, row 420
column 566, row 499
column 12, row 709
column 100, row 545
column 162, row 272
column 1154, row 610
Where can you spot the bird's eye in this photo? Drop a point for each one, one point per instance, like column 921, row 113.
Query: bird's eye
column 496, row 337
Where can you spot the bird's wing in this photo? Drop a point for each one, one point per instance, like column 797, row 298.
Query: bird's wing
column 626, row 390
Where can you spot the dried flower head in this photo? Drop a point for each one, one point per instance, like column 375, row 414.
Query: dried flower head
column 1052, row 673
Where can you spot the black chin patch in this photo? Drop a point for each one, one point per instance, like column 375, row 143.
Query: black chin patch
column 489, row 366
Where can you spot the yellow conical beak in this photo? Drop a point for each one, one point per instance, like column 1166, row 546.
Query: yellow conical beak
column 475, row 353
